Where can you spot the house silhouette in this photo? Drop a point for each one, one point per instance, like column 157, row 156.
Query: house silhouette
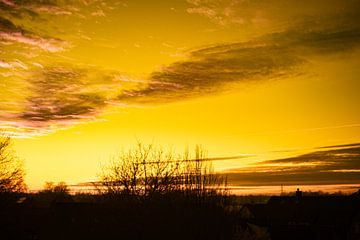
column 307, row 217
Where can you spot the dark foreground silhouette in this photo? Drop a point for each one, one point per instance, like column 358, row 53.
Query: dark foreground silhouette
column 177, row 216
column 169, row 216
column 304, row 217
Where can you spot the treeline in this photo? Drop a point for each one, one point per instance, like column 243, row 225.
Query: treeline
column 148, row 170
column 144, row 193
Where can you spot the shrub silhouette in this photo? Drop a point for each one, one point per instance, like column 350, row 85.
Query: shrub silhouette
column 60, row 188
column 55, row 193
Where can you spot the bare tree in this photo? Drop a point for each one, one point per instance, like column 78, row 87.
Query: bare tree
column 199, row 177
column 143, row 170
column 148, row 169
column 11, row 169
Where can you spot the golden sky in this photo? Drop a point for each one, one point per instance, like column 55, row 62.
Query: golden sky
column 267, row 80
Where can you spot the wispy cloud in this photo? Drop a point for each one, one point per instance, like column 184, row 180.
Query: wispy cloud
column 12, row 65
column 19, row 17
column 271, row 56
column 209, row 70
column 47, row 44
column 60, row 96
column 277, row 14
column 222, row 12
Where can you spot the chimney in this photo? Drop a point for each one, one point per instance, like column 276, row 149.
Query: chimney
column 298, row 194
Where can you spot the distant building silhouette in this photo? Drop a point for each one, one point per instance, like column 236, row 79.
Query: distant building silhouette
column 307, row 217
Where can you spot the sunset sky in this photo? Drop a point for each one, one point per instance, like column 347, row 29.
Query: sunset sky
column 275, row 84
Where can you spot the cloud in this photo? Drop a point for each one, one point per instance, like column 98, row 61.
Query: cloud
column 59, row 96
column 8, row 3
column 57, row 7
column 208, row 70
column 27, row 22
column 12, row 65
column 39, row 94
column 339, row 165
column 221, row 12
column 11, row 33
column 295, row 31
column 342, row 146
column 277, row 14
column 56, row 94
column 47, row 44
column 271, row 56
column 7, row 25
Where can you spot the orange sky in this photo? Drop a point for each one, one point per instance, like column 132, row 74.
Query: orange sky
column 82, row 80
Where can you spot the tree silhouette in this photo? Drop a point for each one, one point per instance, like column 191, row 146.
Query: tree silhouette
column 147, row 169
column 11, row 169
column 60, row 188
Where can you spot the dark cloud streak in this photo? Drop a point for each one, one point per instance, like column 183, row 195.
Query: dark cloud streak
column 299, row 30
column 341, row 165
column 65, row 94
column 211, row 69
